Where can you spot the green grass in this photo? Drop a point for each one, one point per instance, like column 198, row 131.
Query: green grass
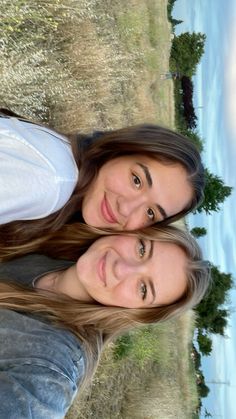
column 131, row 27
column 143, row 345
column 153, row 32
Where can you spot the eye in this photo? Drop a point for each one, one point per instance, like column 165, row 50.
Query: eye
column 151, row 214
column 136, row 180
column 143, row 289
column 142, row 248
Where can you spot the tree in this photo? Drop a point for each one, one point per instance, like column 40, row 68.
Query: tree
column 207, row 414
column 203, row 390
column 198, row 232
column 176, row 22
column 215, row 193
column 219, row 322
column 204, row 343
column 194, row 136
column 170, row 6
column 187, row 97
column 186, row 52
column 196, row 357
column 211, row 317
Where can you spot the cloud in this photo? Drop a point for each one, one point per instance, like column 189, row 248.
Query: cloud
column 230, row 82
column 214, row 99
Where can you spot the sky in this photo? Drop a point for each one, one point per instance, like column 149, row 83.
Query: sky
column 215, row 106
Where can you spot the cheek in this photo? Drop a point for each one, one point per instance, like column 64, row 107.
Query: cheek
column 113, row 186
column 93, row 195
column 116, row 181
column 85, row 268
column 117, row 297
column 125, row 246
column 125, row 295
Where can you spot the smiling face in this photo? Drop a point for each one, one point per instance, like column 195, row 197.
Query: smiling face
column 132, row 192
column 127, row 272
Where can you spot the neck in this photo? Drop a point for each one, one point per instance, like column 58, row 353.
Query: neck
column 47, row 281
column 65, row 282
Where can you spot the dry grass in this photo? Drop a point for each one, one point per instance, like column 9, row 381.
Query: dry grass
column 157, row 384
column 86, row 64
column 163, row 391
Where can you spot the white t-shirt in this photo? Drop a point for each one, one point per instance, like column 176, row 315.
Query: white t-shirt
column 37, row 171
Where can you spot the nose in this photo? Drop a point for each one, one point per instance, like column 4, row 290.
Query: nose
column 129, row 205
column 132, row 210
column 124, row 269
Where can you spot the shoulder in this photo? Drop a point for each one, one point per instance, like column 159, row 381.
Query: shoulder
column 17, row 326
column 38, row 143
column 41, row 367
column 27, row 269
column 37, row 166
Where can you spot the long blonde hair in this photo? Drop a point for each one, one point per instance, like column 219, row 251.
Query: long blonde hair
column 95, row 324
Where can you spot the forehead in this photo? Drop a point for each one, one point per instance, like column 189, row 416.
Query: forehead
column 164, row 168
column 169, row 271
column 164, row 252
column 151, row 162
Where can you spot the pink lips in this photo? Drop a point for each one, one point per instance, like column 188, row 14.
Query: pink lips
column 107, row 212
column 101, row 269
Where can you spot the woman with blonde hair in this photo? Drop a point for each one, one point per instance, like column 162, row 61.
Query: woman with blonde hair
column 57, row 315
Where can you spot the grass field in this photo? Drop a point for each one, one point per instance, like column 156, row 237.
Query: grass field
column 152, row 380
column 84, row 65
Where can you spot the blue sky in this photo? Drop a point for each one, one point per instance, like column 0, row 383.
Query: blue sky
column 215, row 105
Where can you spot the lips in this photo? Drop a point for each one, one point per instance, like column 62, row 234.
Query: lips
column 102, row 269
column 107, row 212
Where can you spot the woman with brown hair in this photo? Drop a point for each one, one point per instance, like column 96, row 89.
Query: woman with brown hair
column 54, row 328
column 123, row 179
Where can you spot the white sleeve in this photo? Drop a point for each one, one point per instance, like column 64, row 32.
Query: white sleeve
column 28, row 186
column 37, row 171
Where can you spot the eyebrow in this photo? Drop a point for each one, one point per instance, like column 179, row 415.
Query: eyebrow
column 150, row 281
column 162, row 211
column 147, row 174
column 150, row 250
column 150, row 183
column 152, row 291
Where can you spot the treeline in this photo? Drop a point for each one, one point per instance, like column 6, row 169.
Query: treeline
column 186, row 52
column 212, row 318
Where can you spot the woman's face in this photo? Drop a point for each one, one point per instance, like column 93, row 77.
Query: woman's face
column 131, row 192
column 128, row 272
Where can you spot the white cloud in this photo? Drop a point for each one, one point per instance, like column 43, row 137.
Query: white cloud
column 230, row 81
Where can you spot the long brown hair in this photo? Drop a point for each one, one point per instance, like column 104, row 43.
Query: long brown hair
column 92, row 152
column 95, row 324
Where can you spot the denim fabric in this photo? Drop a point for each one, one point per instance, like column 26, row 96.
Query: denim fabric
column 41, row 367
